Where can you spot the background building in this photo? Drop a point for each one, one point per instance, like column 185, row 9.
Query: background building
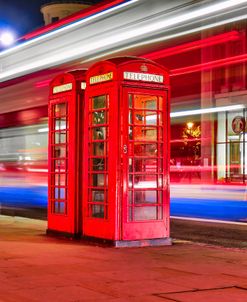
column 55, row 10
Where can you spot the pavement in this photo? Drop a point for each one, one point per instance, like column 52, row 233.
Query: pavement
column 35, row 267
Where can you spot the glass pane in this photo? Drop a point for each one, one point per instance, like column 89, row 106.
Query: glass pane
column 131, row 117
column 98, row 195
column 98, row 180
column 145, row 213
column 145, row 117
column 145, row 165
column 60, row 124
column 99, row 102
column 60, row 109
column 60, row 152
column 130, row 181
column 160, row 116
column 130, row 100
column 99, row 133
column 60, row 164
column 145, row 149
column 97, row 211
column 59, row 193
column 160, row 197
column 130, row 197
column 130, row 214
column 60, row 137
column 130, row 132
column 236, row 160
column 148, row 197
column 59, row 207
column 99, row 164
column 145, row 133
column 98, row 149
column 145, row 181
column 151, row 118
column 99, row 117
column 161, row 103
column 60, row 179
column 145, row 102
column 130, row 165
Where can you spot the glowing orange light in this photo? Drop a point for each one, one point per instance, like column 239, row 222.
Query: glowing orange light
column 190, row 125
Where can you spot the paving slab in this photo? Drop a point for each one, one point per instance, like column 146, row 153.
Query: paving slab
column 35, row 268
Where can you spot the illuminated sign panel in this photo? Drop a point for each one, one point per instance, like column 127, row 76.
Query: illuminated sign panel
column 101, row 78
column 83, row 85
column 145, row 77
column 62, row 88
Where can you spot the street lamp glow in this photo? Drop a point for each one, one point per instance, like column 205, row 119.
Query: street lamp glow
column 7, row 38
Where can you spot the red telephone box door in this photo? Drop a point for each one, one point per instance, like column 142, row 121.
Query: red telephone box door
column 65, row 117
column 58, row 176
column 145, row 164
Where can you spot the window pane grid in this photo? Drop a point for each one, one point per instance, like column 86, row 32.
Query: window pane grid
column 145, row 172
column 98, row 160
column 59, row 156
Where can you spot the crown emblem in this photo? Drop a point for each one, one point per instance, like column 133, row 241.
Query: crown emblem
column 144, row 68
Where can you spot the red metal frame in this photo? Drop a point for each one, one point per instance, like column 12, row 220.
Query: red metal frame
column 109, row 86
column 65, row 119
column 145, row 167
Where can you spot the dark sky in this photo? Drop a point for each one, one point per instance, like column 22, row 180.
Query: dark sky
column 21, row 16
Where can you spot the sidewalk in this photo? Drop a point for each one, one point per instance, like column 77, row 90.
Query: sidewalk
column 34, row 267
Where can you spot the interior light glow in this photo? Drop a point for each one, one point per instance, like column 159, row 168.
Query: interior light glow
column 215, row 40
column 207, row 110
column 68, row 27
column 210, row 65
column 190, row 125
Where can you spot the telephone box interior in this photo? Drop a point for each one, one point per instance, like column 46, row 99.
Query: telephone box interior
column 126, row 166
column 66, row 101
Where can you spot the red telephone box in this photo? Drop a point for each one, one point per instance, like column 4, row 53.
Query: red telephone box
column 65, row 120
column 126, row 172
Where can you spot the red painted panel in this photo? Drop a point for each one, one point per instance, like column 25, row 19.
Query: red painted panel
column 65, row 116
column 111, row 83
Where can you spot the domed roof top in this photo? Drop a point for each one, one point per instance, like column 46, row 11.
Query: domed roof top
column 51, row 2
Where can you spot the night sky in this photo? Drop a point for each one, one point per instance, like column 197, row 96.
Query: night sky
column 21, row 16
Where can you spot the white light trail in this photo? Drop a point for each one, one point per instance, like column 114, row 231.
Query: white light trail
column 207, row 110
column 71, row 54
column 168, row 37
column 67, row 27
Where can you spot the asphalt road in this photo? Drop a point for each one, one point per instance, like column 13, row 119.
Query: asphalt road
column 222, row 234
